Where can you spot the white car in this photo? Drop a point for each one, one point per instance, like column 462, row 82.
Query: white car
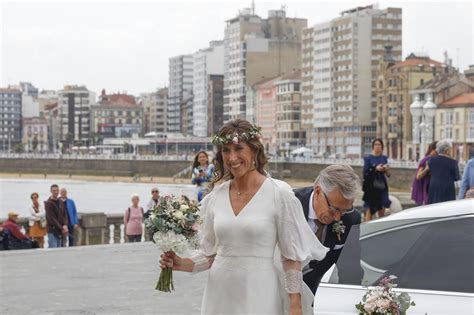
column 431, row 251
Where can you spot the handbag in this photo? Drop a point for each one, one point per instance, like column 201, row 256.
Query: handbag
column 379, row 183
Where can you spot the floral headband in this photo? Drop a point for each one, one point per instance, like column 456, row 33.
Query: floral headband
column 253, row 133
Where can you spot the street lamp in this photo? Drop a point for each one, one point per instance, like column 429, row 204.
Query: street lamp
column 422, row 121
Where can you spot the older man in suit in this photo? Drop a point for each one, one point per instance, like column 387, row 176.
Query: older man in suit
column 328, row 208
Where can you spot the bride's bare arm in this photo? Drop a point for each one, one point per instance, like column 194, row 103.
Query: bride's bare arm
column 196, row 263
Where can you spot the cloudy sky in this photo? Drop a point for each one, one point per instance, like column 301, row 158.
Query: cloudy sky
column 125, row 45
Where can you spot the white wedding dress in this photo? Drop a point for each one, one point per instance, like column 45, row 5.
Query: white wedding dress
column 245, row 277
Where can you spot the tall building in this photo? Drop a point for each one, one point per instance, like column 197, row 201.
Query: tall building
column 158, row 117
column 394, row 83
column 10, row 118
column 256, row 48
column 207, row 62
column 215, row 109
column 339, row 71
column 74, row 109
column 180, row 88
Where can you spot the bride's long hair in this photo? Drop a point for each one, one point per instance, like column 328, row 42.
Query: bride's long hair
column 230, row 128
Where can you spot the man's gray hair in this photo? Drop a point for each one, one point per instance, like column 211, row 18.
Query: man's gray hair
column 444, row 147
column 339, row 176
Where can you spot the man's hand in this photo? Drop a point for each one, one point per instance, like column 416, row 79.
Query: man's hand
column 65, row 230
column 76, row 226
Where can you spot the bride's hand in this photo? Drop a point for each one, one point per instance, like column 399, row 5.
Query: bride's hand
column 169, row 260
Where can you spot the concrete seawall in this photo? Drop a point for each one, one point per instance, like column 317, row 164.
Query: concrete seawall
column 401, row 178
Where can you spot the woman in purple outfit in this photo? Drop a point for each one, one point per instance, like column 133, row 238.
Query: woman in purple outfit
column 421, row 182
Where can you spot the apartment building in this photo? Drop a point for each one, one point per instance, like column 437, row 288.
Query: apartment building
column 339, row 72
column 179, row 89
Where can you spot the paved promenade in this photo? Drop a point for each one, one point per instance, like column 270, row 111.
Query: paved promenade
column 101, row 279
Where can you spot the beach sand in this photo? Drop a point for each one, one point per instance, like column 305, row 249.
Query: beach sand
column 295, row 183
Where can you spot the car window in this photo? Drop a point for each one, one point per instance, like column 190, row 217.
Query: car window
column 434, row 255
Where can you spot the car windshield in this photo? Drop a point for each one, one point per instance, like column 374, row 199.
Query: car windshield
column 429, row 254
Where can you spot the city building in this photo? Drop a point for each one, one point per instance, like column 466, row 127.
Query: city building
column 179, row 89
column 394, row 83
column 254, row 49
column 186, row 116
column 10, row 119
column 115, row 116
column 454, row 121
column 74, row 109
column 207, row 62
column 35, row 134
column 215, row 109
column 158, row 114
column 277, row 106
column 51, row 115
column 265, row 112
column 428, row 97
column 339, row 71
column 46, row 97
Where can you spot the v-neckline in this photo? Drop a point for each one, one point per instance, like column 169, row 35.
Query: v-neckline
column 245, row 206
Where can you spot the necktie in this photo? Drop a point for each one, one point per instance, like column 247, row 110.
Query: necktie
column 319, row 231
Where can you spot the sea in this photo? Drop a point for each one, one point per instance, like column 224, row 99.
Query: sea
column 89, row 196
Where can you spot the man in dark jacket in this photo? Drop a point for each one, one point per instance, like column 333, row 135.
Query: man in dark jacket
column 328, row 208
column 57, row 219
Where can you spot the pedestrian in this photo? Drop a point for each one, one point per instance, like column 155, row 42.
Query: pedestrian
column 444, row 172
column 73, row 223
column 155, row 199
column 37, row 220
column 467, row 181
column 57, row 219
column 328, row 208
column 375, row 186
column 421, row 182
column 133, row 220
column 202, row 173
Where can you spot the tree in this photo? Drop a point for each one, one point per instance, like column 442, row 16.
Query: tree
column 19, row 148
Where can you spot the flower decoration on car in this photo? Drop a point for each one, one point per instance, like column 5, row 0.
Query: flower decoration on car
column 382, row 300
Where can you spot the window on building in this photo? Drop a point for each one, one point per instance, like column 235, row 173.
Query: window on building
column 449, row 118
column 448, row 133
column 470, row 117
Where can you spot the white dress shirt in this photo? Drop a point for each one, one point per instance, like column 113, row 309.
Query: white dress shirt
column 312, row 216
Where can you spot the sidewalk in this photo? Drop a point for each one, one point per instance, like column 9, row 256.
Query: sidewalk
column 101, row 279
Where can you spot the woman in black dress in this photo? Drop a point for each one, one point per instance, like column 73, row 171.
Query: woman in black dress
column 444, row 172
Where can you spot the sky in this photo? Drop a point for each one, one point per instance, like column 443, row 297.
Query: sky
column 124, row 46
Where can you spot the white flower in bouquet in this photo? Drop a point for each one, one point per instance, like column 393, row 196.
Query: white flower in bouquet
column 178, row 215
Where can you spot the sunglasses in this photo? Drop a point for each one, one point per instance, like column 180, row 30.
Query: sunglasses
column 154, row 191
column 335, row 210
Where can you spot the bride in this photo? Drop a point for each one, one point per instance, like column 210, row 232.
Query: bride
column 249, row 219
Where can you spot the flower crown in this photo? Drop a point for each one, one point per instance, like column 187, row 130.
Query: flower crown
column 253, row 133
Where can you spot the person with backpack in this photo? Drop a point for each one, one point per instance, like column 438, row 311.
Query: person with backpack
column 133, row 220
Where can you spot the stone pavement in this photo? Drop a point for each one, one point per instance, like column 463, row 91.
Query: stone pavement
column 101, row 279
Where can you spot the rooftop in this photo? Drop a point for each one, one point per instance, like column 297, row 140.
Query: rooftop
column 463, row 99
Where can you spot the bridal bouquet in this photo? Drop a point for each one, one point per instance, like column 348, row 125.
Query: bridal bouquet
column 173, row 223
column 382, row 300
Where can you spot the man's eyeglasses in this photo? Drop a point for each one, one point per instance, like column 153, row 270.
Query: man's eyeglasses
column 334, row 210
column 154, row 191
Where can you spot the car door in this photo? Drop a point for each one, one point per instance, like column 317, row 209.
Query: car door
column 433, row 260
